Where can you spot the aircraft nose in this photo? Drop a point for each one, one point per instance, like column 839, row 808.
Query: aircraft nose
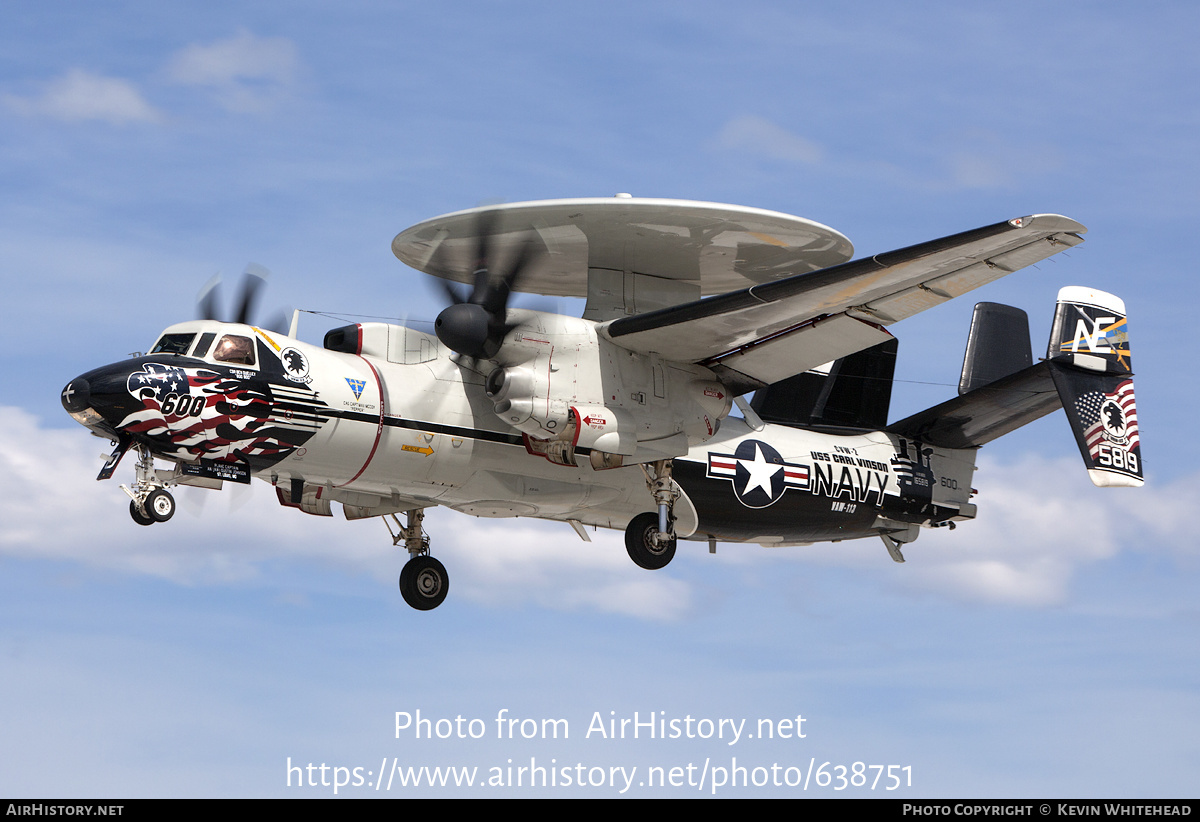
column 98, row 399
column 77, row 400
column 77, row 396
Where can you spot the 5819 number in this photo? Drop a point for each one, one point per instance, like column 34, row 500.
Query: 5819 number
column 1111, row 456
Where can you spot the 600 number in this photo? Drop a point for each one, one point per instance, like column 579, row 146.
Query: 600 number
column 182, row 406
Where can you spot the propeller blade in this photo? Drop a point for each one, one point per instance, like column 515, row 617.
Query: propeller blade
column 452, row 292
column 252, row 283
column 484, row 227
column 496, row 300
column 279, row 322
column 477, row 326
column 206, row 301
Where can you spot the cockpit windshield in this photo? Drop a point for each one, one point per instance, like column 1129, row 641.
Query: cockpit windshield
column 173, row 344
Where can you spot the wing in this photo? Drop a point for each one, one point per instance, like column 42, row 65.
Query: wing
column 766, row 333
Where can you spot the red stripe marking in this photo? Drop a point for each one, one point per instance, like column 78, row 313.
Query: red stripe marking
column 378, row 428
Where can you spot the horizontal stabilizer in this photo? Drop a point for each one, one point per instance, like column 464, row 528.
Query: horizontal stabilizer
column 983, row 414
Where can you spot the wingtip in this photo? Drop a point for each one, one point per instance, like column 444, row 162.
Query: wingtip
column 1049, row 222
column 1110, row 479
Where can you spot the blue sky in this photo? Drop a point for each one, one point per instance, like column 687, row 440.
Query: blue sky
column 1048, row 648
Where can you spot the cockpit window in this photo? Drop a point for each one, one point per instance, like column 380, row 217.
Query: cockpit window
column 206, row 341
column 173, row 344
column 235, row 349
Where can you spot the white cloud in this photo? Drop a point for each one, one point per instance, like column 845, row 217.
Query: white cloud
column 758, row 135
column 1039, row 522
column 245, row 72
column 547, row 564
column 981, row 159
column 80, row 96
column 978, row 171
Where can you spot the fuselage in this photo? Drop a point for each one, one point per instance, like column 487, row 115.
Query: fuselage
column 392, row 421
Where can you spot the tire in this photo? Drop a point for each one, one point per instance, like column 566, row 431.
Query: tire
column 424, row 583
column 644, row 550
column 138, row 516
column 159, row 505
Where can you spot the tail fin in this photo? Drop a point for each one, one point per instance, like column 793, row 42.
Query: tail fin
column 997, row 346
column 1087, row 371
column 1092, row 370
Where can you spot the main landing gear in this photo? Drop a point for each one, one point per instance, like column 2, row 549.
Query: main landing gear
column 424, row 582
column 645, row 542
column 650, row 537
column 150, row 501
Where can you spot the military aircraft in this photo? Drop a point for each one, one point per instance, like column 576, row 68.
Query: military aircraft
column 621, row 418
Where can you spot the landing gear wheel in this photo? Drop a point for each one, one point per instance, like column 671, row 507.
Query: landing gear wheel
column 424, row 582
column 641, row 541
column 159, row 505
column 138, row 516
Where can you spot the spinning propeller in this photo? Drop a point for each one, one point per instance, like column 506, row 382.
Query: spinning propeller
column 475, row 326
column 253, row 280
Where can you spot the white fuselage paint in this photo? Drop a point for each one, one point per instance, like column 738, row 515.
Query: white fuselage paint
column 408, row 425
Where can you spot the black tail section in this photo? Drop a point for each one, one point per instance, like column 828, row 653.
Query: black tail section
column 1087, row 371
column 1093, row 372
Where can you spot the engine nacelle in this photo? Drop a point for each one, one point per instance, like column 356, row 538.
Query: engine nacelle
column 522, row 399
column 565, row 388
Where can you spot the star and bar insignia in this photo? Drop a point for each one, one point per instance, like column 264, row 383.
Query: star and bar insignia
column 758, row 473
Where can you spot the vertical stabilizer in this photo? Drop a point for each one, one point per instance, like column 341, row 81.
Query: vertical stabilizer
column 997, row 347
column 1092, row 370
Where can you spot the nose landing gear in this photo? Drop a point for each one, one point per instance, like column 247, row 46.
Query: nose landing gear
column 150, row 501
column 139, row 516
column 159, row 504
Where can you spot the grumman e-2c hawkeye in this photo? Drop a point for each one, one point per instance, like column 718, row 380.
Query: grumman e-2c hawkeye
column 620, row 419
